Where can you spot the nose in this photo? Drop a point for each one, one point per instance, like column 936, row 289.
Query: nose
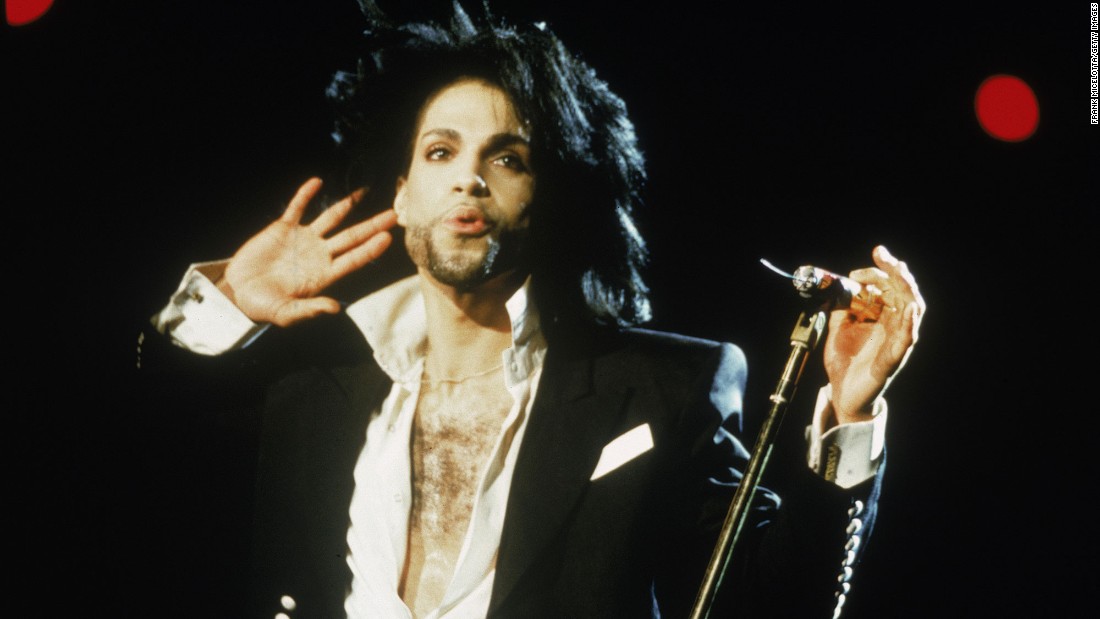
column 472, row 184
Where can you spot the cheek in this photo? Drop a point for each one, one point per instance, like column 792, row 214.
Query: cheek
column 528, row 190
column 518, row 195
column 420, row 192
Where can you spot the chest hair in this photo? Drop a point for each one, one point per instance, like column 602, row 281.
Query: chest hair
column 455, row 428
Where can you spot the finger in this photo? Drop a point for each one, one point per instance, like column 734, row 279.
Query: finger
column 906, row 276
column 870, row 275
column 298, row 204
column 902, row 279
column 362, row 232
column 362, row 255
column 903, row 339
column 893, row 267
column 333, row 215
column 303, row 309
column 892, row 277
column 914, row 314
column 883, row 258
column 877, row 283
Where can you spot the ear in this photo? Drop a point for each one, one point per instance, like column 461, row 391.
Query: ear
column 399, row 201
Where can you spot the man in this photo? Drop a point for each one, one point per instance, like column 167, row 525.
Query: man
column 492, row 436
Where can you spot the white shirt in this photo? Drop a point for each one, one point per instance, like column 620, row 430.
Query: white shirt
column 394, row 323
column 199, row 317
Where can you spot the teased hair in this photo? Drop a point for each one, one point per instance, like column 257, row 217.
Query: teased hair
column 586, row 252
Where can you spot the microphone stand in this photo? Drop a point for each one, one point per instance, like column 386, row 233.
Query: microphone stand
column 804, row 339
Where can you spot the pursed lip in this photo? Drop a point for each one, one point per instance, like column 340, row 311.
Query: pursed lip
column 467, row 220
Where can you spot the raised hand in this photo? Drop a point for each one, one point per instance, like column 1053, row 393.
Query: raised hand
column 861, row 358
column 277, row 275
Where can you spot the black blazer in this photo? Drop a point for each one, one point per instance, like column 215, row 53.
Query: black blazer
column 633, row 543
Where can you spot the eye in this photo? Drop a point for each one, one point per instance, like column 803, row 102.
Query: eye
column 438, row 152
column 511, row 161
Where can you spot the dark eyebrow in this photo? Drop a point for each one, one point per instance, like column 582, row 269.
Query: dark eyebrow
column 505, row 140
column 495, row 142
column 450, row 134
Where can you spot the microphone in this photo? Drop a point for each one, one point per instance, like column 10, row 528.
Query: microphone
column 838, row 292
column 835, row 292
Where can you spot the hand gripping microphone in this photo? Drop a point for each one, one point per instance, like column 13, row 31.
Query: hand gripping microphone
column 835, row 292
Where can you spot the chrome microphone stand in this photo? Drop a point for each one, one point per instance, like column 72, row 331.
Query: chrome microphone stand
column 804, row 338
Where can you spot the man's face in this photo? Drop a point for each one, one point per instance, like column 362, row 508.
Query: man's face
column 464, row 201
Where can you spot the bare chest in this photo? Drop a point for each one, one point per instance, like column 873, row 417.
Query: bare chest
column 455, row 429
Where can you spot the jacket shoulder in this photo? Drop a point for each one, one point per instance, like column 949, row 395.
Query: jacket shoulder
column 671, row 366
column 675, row 352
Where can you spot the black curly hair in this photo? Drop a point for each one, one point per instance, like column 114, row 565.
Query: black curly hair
column 587, row 254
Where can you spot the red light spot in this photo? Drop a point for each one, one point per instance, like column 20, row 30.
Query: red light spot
column 1007, row 108
column 22, row 12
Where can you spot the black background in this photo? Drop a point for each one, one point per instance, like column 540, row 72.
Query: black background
column 140, row 137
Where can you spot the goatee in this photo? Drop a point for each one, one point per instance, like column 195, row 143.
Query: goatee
column 468, row 266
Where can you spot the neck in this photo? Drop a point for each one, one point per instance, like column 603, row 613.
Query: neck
column 467, row 329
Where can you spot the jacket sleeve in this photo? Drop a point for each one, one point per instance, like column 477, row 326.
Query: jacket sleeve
column 797, row 551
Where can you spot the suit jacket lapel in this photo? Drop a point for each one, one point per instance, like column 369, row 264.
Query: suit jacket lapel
column 571, row 421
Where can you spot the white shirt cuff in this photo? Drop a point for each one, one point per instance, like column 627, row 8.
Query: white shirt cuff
column 850, row 453
column 200, row 318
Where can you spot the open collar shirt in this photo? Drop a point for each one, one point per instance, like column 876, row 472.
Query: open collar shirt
column 393, row 321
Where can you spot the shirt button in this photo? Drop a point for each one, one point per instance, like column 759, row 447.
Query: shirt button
column 288, row 602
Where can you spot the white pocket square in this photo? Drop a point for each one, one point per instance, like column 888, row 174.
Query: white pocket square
column 623, row 449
